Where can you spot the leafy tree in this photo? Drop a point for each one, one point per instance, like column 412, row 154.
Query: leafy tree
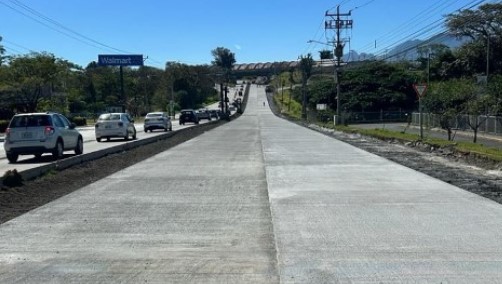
column 2, row 52
column 446, row 99
column 31, row 79
column 495, row 91
column 436, row 61
column 326, row 54
column 484, row 27
column 376, row 86
column 224, row 59
column 476, row 107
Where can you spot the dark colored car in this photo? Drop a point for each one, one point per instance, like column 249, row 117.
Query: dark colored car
column 188, row 115
column 204, row 114
column 214, row 113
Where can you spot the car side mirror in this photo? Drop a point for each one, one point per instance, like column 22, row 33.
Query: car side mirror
column 73, row 125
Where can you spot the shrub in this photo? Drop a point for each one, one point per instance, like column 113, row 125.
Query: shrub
column 12, row 178
column 3, row 125
column 79, row 121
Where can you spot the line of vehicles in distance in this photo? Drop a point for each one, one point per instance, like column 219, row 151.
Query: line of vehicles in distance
column 50, row 132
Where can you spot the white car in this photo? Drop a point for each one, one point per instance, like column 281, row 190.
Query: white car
column 38, row 133
column 110, row 125
column 157, row 120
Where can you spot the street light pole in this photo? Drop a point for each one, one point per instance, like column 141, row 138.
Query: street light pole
column 282, row 91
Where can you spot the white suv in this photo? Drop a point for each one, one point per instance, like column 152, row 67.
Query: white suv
column 38, row 133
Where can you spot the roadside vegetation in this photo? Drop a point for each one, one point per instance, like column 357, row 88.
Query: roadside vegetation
column 39, row 82
column 294, row 113
column 463, row 83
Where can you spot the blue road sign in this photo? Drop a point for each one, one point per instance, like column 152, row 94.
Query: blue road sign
column 120, row 60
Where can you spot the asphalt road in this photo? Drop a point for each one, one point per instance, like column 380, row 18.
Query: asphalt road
column 26, row 162
column 259, row 200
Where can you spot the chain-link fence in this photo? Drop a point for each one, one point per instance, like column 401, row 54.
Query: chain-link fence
column 487, row 124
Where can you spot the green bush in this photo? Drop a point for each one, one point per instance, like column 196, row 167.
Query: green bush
column 12, row 178
column 79, row 121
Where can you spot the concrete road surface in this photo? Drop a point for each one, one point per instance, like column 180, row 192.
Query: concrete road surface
column 259, row 200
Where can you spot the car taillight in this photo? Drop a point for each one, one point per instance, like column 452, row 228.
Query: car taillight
column 49, row 130
column 121, row 124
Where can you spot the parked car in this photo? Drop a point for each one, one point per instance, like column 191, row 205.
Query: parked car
column 111, row 125
column 39, row 133
column 204, row 114
column 157, row 120
column 188, row 115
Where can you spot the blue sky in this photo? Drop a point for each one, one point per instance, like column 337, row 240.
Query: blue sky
column 187, row 31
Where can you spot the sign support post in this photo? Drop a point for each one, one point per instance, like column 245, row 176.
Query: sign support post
column 420, row 89
column 121, row 60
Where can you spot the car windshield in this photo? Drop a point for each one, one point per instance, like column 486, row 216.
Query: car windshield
column 109, row 116
column 154, row 115
column 30, row 121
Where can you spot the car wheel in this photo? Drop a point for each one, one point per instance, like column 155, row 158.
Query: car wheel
column 12, row 157
column 170, row 128
column 134, row 134
column 79, row 149
column 98, row 139
column 57, row 152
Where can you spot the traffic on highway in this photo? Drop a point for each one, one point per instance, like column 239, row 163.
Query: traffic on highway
column 93, row 142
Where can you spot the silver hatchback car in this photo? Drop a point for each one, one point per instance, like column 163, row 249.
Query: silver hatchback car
column 111, row 125
column 38, row 133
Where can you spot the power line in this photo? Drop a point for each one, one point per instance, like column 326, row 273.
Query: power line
column 440, row 34
column 56, row 26
column 73, row 34
column 430, row 29
column 421, row 17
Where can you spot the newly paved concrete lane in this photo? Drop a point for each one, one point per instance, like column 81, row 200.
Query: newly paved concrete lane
column 198, row 213
column 259, row 200
column 342, row 215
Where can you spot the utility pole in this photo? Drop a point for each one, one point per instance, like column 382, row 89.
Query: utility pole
column 338, row 22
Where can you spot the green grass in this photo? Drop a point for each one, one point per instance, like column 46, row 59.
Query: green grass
column 289, row 107
column 463, row 147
